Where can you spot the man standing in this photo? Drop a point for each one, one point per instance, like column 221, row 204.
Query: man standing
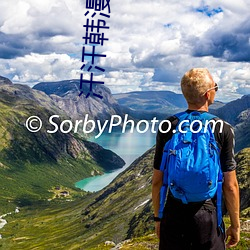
column 194, row 225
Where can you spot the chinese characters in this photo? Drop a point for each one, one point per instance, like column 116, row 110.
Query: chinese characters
column 94, row 37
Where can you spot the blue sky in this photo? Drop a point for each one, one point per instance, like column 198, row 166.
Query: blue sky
column 152, row 43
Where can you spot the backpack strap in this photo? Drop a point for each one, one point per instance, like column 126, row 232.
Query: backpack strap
column 164, row 188
column 219, row 200
column 209, row 116
column 163, row 194
column 164, row 169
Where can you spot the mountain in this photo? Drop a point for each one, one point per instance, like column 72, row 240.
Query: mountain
column 124, row 208
column 242, row 130
column 149, row 104
column 32, row 163
column 243, row 175
column 65, row 95
column 4, row 80
column 106, row 215
column 151, row 100
column 232, row 110
column 138, row 105
column 162, row 102
column 121, row 211
column 216, row 105
column 33, row 166
column 237, row 114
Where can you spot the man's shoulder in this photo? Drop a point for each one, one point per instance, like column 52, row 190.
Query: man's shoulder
column 171, row 118
column 173, row 121
column 227, row 127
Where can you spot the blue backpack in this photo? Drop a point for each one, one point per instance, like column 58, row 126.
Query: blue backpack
column 191, row 162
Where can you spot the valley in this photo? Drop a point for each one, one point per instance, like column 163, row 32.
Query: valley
column 38, row 171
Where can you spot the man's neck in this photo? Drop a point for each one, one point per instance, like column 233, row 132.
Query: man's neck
column 198, row 107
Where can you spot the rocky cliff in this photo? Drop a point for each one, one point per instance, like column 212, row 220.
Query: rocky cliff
column 237, row 114
column 232, row 110
column 243, row 175
column 65, row 95
column 4, row 80
column 242, row 130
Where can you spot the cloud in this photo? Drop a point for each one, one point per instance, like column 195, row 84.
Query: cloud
column 151, row 43
column 131, row 81
column 34, row 68
column 36, row 17
column 167, row 74
column 231, row 45
column 37, row 27
column 12, row 46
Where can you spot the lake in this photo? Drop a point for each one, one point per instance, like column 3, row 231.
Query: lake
column 129, row 146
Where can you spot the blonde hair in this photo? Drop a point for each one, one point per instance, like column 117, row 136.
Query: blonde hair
column 195, row 83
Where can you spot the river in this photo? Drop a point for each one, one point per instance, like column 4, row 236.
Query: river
column 3, row 222
column 129, row 146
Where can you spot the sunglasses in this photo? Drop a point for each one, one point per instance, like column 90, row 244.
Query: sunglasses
column 216, row 87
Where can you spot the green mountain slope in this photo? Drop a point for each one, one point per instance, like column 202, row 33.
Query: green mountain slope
column 85, row 222
column 32, row 163
column 123, row 210
column 243, row 175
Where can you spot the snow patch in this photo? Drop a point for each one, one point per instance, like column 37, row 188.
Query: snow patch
column 142, row 204
column 4, row 222
column 143, row 186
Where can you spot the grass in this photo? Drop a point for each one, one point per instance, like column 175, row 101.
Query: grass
column 31, row 183
column 244, row 243
column 51, row 225
column 31, row 164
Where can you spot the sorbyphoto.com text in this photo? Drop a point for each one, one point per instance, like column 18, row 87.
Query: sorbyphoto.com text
column 87, row 126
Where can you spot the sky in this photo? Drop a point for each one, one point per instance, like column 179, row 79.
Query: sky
column 152, row 43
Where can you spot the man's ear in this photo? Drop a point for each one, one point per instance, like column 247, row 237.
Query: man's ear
column 207, row 95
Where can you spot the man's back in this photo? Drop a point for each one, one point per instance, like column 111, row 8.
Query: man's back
column 194, row 225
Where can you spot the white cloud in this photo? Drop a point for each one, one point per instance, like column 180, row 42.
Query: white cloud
column 129, row 81
column 151, row 43
column 35, row 16
column 34, row 68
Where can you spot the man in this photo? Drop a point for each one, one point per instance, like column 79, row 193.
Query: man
column 194, row 225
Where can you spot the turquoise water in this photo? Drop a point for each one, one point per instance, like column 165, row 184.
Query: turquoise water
column 129, row 146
